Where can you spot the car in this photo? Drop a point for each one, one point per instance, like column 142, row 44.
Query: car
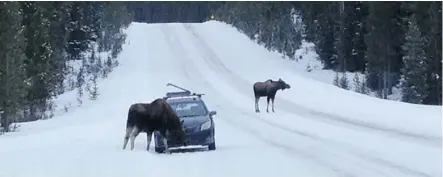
column 197, row 120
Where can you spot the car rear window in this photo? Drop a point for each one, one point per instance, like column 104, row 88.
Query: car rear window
column 189, row 108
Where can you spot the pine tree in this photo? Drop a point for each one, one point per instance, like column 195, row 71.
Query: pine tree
column 344, row 83
column 94, row 71
column 336, row 80
column 79, row 84
column 322, row 28
column 429, row 20
column 383, row 42
column 416, row 65
column 12, row 74
column 38, row 53
column 358, row 20
column 363, row 88
column 357, row 83
column 93, row 92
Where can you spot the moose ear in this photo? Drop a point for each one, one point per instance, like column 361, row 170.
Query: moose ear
column 279, row 79
column 182, row 121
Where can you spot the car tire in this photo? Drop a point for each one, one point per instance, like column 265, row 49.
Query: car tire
column 211, row 146
column 159, row 150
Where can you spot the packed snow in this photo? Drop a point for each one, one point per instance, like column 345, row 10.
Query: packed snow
column 317, row 130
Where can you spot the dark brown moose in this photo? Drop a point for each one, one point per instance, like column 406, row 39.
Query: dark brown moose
column 268, row 88
column 154, row 116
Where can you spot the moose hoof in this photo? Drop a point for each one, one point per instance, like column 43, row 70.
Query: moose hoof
column 257, row 111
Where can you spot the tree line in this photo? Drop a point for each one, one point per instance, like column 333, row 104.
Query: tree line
column 170, row 12
column 49, row 48
column 271, row 24
column 391, row 43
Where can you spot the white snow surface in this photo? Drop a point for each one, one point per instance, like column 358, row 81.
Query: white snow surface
column 317, row 129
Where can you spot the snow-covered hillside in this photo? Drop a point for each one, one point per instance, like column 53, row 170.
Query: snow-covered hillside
column 318, row 129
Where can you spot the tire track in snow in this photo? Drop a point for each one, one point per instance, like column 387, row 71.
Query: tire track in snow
column 170, row 39
column 346, row 148
column 377, row 161
column 243, row 127
column 304, row 111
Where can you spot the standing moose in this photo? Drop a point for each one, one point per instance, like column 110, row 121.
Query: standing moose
column 268, row 88
column 155, row 116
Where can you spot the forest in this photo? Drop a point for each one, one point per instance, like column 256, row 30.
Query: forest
column 394, row 44
column 49, row 48
column 41, row 43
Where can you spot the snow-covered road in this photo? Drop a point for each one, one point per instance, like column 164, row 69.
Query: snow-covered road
column 317, row 130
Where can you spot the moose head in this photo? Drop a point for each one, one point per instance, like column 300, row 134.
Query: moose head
column 180, row 135
column 283, row 85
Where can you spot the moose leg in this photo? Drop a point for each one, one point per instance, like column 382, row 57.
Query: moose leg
column 134, row 134
column 272, row 99
column 256, row 104
column 128, row 132
column 165, row 141
column 148, row 138
column 267, row 105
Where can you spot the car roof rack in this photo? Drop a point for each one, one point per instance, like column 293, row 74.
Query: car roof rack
column 184, row 93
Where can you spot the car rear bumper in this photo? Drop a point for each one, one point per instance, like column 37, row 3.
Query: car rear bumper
column 203, row 138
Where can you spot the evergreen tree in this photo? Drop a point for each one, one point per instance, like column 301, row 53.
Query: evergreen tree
column 429, row 20
column 79, row 84
column 38, row 57
column 12, row 73
column 322, row 28
column 383, row 42
column 363, row 88
column 336, row 80
column 357, row 83
column 344, row 83
column 94, row 71
column 357, row 33
column 416, row 65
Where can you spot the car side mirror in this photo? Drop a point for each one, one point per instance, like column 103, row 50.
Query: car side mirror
column 211, row 113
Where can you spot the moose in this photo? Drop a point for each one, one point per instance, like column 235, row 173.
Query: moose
column 155, row 116
column 268, row 88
